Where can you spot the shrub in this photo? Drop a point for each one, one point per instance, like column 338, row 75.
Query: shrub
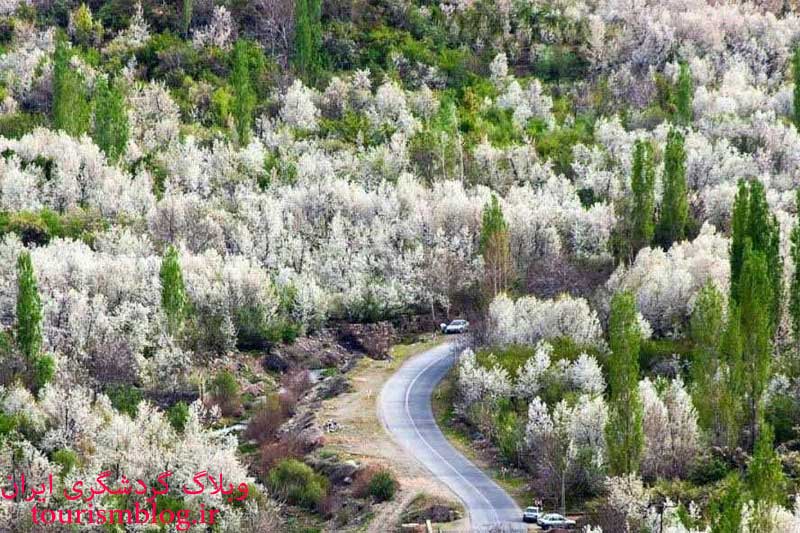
column 288, row 447
column 377, row 482
column 67, row 459
column 125, row 398
column 264, row 424
column 382, row 486
column 44, row 368
column 177, row 415
column 297, row 483
column 225, row 393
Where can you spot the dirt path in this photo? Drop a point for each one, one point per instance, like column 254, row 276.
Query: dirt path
column 362, row 437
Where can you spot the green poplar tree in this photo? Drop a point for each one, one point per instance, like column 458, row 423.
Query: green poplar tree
column 496, row 249
column 307, row 37
column 643, row 188
column 706, row 323
column 173, row 291
column 29, row 309
column 794, row 290
column 731, row 407
column 796, row 78
column 111, row 127
column 765, row 479
column 753, row 225
column 71, row 107
column 188, row 6
column 755, row 297
column 726, row 509
column 624, row 432
column 739, row 227
column 684, row 95
column 244, row 97
column 674, row 204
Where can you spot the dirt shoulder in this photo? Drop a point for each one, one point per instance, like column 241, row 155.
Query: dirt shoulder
column 361, row 436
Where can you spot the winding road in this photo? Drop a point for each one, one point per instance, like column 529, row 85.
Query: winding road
column 404, row 407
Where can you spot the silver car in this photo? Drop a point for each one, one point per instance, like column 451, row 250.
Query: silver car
column 553, row 520
column 456, row 326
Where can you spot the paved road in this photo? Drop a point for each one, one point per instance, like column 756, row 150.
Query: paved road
column 405, row 408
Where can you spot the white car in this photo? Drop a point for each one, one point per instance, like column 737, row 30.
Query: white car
column 531, row 514
column 456, row 326
column 553, row 520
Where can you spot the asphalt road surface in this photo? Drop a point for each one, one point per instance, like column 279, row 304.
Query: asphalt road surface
column 405, row 408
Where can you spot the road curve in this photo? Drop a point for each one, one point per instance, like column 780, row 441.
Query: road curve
column 404, row 407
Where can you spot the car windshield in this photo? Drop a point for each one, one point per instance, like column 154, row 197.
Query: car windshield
column 458, row 322
column 532, row 509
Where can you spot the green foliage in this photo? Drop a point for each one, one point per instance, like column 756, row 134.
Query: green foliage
column 765, row 479
column 67, row 459
column 297, row 483
column 71, row 107
column 383, row 486
column 643, row 189
column 187, row 16
column 225, row 392
column 674, row 204
column 557, row 144
column 308, row 37
column 29, row 309
column 492, row 222
column 754, row 227
column 684, row 94
column 42, row 226
column 706, row 323
column 726, row 509
column 86, row 31
column 125, row 398
column 15, row 125
column 244, row 97
column 178, row 415
column 173, row 291
column 794, row 288
column 796, row 78
column 755, row 295
column 111, row 128
column 44, row 368
column 624, row 433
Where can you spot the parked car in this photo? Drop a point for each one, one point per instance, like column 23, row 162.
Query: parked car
column 531, row 515
column 456, row 326
column 553, row 520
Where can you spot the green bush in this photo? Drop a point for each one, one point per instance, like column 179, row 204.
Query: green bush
column 177, row 415
column 44, row 368
column 125, row 399
column 382, row 486
column 67, row 459
column 15, row 125
column 297, row 483
column 225, row 393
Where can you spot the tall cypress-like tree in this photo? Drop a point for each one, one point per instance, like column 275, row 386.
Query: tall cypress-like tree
column 684, row 94
column 496, row 249
column 111, row 127
column 173, row 291
column 624, row 432
column 186, row 19
column 674, row 204
column 29, row 309
column 726, row 508
column 731, row 406
column 244, row 97
column 71, row 107
column 753, row 225
column 706, row 324
column 739, row 227
column 796, row 78
column 794, row 290
column 765, row 479
column 755, row 297
column 307, row 37
column 643, row 188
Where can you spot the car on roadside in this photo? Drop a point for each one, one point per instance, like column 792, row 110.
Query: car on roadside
column 530, row 515
column 456, row 326
column 554, row 520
